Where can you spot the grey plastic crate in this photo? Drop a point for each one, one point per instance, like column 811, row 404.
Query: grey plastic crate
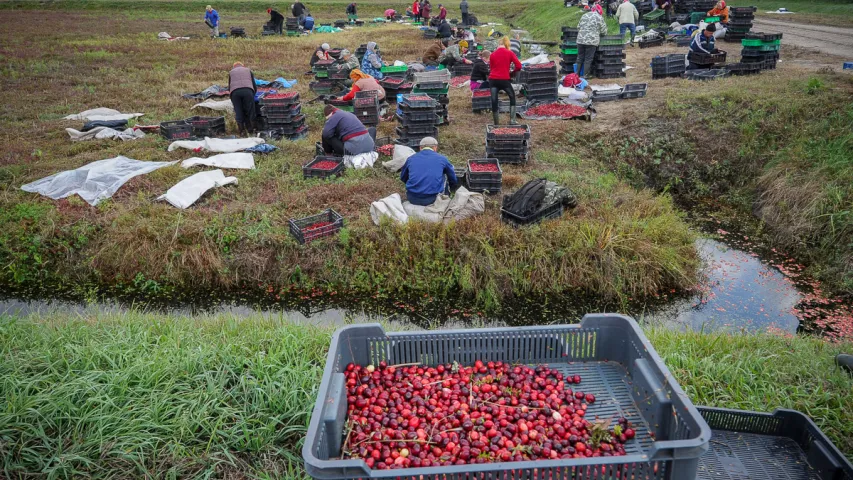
column 615, row 360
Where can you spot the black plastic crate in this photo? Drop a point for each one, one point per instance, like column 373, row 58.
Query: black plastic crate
column 554, row 210
column 418, row 101
column 509, row 158
column 612, row 49
column 569, row 31
column 286, row 128
column 483, row 180
column 606, row 95
column 528, row 75
column 520, row 137
column 655, row 42
column 428, row 117
column 635, row 90
column 541, row 87
column 281, row 100
column 742, row 10
column 366, row 111
column 543, row 96
column 490, row 187
column 610, row 75
column 682, row 41
column 176, row 130
column 414, row 130
column 207, row 126
column 366, row 103
column 308, row 170
column 667, row 60
column 369, row 120
column 299, row 134
column 608, row 69
column 702, row 58
column 709, row 74
column 658, row 76
column 764, row 37
column 413, row 143
column 785, row 444
column 299, row 228
column 748, row 68
column 741, row 22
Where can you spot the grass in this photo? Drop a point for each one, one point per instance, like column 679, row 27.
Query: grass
column 838, row 14
column 118, row 395
column 622, row 242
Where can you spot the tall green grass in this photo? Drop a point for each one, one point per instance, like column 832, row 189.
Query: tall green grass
column 143, row 395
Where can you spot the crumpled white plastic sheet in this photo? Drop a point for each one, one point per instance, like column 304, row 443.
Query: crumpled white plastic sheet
column 189, row 190
column 95, row 181
column 99, row 133
column 102, row 114
column 401, row 154
column 389, row 207
column 242, row 161
column 218, row 105
column 364, row 160
column 219, row 145
column 464, row 204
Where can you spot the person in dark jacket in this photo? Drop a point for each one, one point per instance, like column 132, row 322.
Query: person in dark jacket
column 344, row 134
column 432, row 54
column 241, row 84
column 299, row 11
column 480, row 72
column 321, row 53
column 445, row 31
column 463, row 6
column 703, row 42
column 276, row 20
column 425, row 11
column 424, row 174
column 352, row 12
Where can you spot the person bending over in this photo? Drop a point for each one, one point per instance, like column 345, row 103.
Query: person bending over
column 344, row 134
column 276, row 20
column 426, row 174
column 362, row 82
column 241, row 84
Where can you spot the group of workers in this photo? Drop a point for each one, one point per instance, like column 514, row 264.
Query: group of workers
column 298, row 10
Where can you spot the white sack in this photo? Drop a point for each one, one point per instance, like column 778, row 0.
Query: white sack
column 243, row 161
column 102, row 114
column 189, row 190
column 537, row 60
column 464, row 204
column 100, row 133
column 219, row 145
column 95, row 181
column 365, row 160
column 431, row 213
column 609, row 86
column 401, row 154
column 388, row 207
column 572, row 93
column 218, row 105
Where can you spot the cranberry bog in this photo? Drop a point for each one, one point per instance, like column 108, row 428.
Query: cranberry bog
column 620, row 375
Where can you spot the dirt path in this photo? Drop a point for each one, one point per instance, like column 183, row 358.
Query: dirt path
column 835, row 41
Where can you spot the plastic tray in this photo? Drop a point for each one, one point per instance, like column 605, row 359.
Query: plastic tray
column 611, row 354
column 176, row 130
column 393, row 69
column 602, row 49
column 207, row 126
column 309, row 172
column 635, row 90
column 428, row 117
column 302, row 236
column 701, row 58
column 655, row 42
column 433, row 76
column 610, row 40
column 520, row 137
column 491, row 187
column 742, row 10
column 554, row 210
column 412, row 103
column 415, row 130
column 710, row 74
column 783, row 445
column 509, row 158
column 485, row 176
column 766, row 37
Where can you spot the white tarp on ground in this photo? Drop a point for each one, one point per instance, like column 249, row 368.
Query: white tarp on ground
column 218, row 105
column 464, row 204
column 95, row 181
column 401, row 154
column 99, row 133
column 102, row 114
column 388, row 207
column 365, row 160
column 219, row 145
column 189, row 190
column 243, row 161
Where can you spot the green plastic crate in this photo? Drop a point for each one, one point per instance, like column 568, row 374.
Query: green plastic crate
column 293, row 33
column 321, row 74
column 712, row 19
column 346, row 108
column 695, row 17
column 749, row 42
column 479, row 47
column 771, row 42
column 769, row 48
column 417, row 23
column 432, row 91
column 570, row 51
column 654, row 14
column 393, row 69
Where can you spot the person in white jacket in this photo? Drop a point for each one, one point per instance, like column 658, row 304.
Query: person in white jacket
column 628, row 16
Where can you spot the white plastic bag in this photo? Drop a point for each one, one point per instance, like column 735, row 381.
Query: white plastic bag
column 189, row 190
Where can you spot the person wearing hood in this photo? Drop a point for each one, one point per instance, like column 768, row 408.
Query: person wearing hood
column 211, row 18
column 627, row 16
column 347, row 60
column 463, row 7
column 298, row 10
column 322, row 53
column 455, row 54
column 427, row 173
column 372, row 64
column 590, row 29
column 276, row 20
column 344, row 134
column 242, row 88
column 362, row 82
column 720, row 10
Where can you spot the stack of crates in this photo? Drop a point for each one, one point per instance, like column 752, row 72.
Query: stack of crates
column 291, row 27
column 362, row 50
column 609, row 60
column 281, row 114
column 692, row 6
column 393, row 71
column 707, row 60
column 509, row 144
column 436, row 84
column 394, row 86
column 322, row 85
column 484, row 175
column 366, row 107
column 762, row 48
column 416, row 114
column 740, row 23
column 540, row 82
column 569, row 50
column 672, row 65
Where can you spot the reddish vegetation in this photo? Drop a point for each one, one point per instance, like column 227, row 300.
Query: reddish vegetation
column 316, row 226
column 509, row 131
column 326, row 165
column 415, row 416
column 386, row 150
column 542, row 65
column 282, row 95
column 457, row 81
column 483, row 167
column 557, row 110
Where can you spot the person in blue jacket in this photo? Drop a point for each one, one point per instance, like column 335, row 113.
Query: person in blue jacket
column 211, row 18
column 424, row 174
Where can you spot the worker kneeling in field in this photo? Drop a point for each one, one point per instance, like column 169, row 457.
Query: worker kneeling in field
column 276, row 20
column 347, row 60
column 432, row 54
column 241, row 84
column 455, row 54
column 344, row 134
column 322, row 53
column 426, row 174
column 362, row 82
column 703, row 42
column 480, row 72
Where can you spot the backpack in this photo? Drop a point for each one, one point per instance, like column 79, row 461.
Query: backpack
column 527, row 200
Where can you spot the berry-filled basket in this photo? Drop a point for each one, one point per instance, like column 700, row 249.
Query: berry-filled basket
column 622, row 381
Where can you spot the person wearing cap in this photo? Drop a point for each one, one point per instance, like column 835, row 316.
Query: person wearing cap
column 344, row 134
column 322, row 53
column 276, row 20
column 703, row 42
column 352, row 12
column 241, row 85
column 442, row 12
column 427, row 173
column 371, row 63
column 361, row 82
column 347, row 60
column 590, row 29
column 455, row 54
column 211, row 18
column 627, row 16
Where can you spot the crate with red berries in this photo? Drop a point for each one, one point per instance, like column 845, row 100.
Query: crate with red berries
column 323, row 167
column 317, row 226
column 280, row 99
column 592, row 401
column 484, row 175
column 509, row 133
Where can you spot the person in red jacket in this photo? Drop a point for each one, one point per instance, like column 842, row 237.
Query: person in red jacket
column 442, row 12
column 499, row 77
column 416, row 10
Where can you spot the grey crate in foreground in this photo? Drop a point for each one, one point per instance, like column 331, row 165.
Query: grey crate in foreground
column 616, row 361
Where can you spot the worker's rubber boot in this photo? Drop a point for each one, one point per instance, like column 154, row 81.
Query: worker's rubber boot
column 496, row 117
column 241, row 130
column 845, row 361
column 512, row 120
